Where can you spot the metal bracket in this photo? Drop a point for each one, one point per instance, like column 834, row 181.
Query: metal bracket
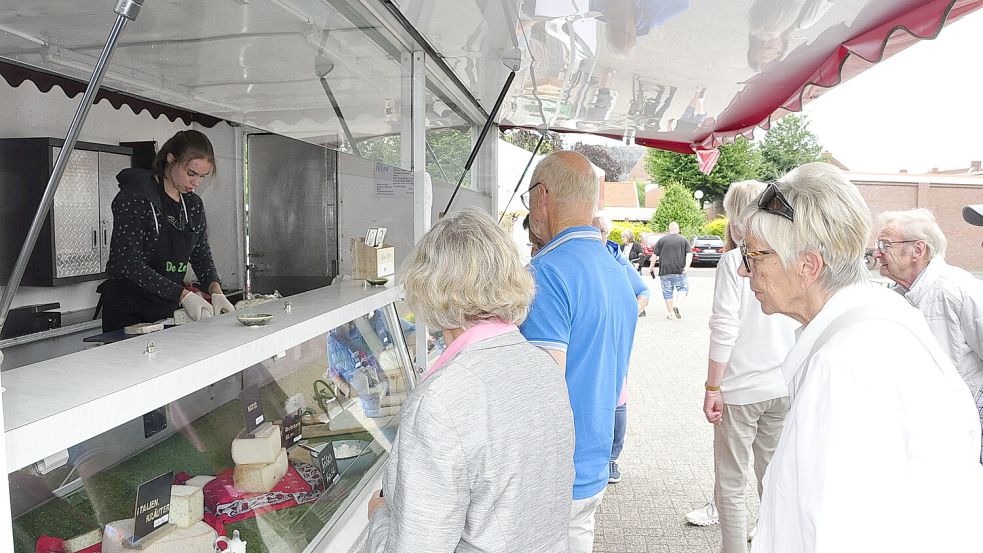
column 129, row 9
column 151, row 348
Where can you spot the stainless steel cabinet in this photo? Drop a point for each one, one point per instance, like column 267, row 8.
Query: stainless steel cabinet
column 74, row 243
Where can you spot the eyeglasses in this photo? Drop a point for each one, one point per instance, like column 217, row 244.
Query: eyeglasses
column 747, row 256
column 525, row 195
column 772, row 201
column 883, row 245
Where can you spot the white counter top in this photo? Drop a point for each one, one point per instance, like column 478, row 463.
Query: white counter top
column 55, row 404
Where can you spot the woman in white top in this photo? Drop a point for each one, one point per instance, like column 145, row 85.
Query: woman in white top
column 746, row 398
column 880, row 450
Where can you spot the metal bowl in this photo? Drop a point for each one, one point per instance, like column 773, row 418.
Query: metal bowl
column 254, row 319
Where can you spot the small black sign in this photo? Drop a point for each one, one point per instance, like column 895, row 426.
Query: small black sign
column 252, row 411
column 326, row 464
column 292, row 432
column 153, row 505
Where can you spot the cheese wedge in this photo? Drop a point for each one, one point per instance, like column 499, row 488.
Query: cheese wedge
column 199, row 538
column 199, row 481
column 79, row 543
column 260, row 478
column 262, row 448
column 187, row 505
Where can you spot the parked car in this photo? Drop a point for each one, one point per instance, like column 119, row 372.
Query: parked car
column 707, row 250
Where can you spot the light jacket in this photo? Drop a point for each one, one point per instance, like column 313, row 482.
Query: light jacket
column 880, row 450
column 951, row 300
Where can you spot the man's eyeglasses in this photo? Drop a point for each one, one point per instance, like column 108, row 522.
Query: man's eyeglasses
column 525, row 195
column 883, row 245
column 747, row 256
column 772, row 201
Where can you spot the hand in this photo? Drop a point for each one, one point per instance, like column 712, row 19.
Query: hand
column 196, row 306
column 221, row 304
column 713, row 407
column 376, row 502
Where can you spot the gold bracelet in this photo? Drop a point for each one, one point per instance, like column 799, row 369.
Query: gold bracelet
column 710, row 388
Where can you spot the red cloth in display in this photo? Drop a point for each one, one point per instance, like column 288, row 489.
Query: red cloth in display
column 300, row 485
column 49, row 544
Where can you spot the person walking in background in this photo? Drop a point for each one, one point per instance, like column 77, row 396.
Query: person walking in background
column 584, row 315
column 880, row 449
column 746, row 398
column 674, row 255
column 911, row 251
column 642, row 294
column 629, row 247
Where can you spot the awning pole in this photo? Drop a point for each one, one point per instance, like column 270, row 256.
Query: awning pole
column 126, row 11
column 340, row 116
column 532, row 158
column 481, row 138
column 436, row 161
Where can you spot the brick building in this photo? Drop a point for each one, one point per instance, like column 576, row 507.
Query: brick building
column 944, row 193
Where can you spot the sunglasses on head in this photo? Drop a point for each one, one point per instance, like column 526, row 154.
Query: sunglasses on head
column 772, row 201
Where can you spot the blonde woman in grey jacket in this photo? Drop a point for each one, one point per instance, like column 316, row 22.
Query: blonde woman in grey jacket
column 483, row 460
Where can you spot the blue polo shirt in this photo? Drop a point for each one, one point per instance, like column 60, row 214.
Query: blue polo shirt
column 585, row 306
column 637, row 284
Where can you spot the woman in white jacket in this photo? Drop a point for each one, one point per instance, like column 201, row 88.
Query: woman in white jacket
column 880, row 446
column 746, row 398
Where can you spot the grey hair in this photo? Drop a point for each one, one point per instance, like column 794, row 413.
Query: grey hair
column 626, row 234
column 601, row 224
column 831, row 218
column 466, row 269
column 739, row 195
column 917, row 224
column 569, row 177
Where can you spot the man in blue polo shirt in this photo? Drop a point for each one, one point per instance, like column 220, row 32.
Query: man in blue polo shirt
column 584, row 315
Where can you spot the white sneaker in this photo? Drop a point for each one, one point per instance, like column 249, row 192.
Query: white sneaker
column 704, row 516
column 752, row 533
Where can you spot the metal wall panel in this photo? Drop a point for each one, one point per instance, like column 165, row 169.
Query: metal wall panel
column 76, row 216
column 109, row 166
column 293, row 214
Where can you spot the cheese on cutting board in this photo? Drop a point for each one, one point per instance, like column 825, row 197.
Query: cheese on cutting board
column 260, row 478
column 79, row 543
column 199, row 538
column 199, row 481
column 262, row 448
column 187, row 505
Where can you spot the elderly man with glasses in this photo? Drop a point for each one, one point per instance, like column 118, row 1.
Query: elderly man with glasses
column 911, row 250
column 880, row 448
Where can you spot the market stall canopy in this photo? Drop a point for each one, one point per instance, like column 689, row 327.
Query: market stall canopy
column 674, row 74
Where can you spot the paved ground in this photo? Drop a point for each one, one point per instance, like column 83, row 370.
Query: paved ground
column 666, row 464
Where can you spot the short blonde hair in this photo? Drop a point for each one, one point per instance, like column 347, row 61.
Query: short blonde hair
column 831, row 218
column 466, row 269
column 569, row 177
column 917, row 224
column 739, row 195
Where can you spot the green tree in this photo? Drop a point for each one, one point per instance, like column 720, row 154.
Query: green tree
column 738, row 161
column 788, row 144
column 678, row 205
column 448, row 151
column 527, row 140
column 599, row 156
column 716, row 227
column 640, row 191
column 383, row 149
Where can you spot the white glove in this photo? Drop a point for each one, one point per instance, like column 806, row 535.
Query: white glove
column 196, row 306
column 221, row 304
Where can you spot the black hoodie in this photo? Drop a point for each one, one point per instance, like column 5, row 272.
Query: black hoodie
column 139, row 210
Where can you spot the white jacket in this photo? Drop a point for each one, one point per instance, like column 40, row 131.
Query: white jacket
column 880, row 450
column 751, row 343
column 952, row 301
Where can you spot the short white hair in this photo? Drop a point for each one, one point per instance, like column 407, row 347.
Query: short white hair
column 628, row 234
column 830, row 218
column 917, row 224
column 601, row 224
column 740, row 194
column 569, row 177
column 466, row 269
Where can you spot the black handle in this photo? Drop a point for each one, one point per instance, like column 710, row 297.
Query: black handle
column 105, row 240
column 95, row 238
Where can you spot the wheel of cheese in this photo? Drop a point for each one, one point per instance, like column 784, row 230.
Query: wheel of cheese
column 260, row 478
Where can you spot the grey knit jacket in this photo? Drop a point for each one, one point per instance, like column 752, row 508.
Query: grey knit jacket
column 483, row 460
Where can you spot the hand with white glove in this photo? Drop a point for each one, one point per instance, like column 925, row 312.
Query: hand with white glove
column 196, row 306
column 221, row 304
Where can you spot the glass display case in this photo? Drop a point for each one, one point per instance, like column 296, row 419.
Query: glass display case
column 335, row 364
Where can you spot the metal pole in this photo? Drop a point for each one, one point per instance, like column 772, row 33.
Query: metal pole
column 481, row 138
column 535, row 151
column 126, row 10
column 340, row 115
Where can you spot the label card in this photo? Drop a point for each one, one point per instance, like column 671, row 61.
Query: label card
column 326, row 464
column 251, row 409
column 292, row 430
column 153, row 505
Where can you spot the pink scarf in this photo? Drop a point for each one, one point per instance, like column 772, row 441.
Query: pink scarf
column 482, row 330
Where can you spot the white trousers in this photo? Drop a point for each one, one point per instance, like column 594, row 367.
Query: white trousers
column 582, row 523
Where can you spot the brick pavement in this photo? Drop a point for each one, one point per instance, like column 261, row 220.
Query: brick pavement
column 666, row 465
